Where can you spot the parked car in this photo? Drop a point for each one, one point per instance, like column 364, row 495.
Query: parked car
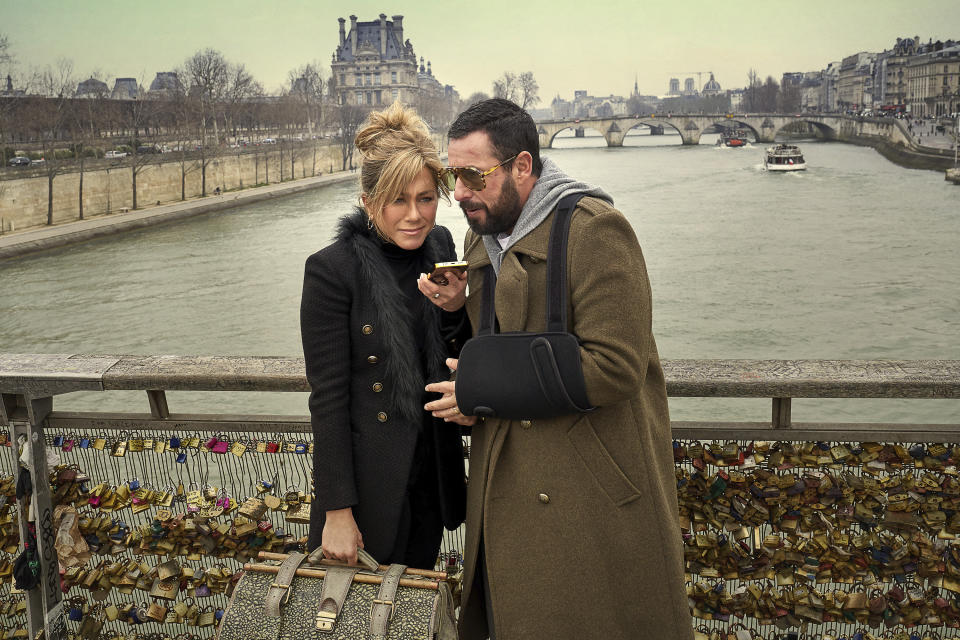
column 19, row 161
column 147, row 148
column 38, row 162
column 115, row 154
column 269, row 141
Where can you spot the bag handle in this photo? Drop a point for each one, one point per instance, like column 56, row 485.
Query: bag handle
column 364, row 559
column 556, row 274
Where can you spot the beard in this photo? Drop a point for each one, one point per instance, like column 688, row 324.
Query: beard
column 501, row 216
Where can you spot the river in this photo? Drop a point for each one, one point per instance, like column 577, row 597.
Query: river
column 855, row 258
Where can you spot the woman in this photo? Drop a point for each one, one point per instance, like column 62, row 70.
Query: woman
column 387, row 475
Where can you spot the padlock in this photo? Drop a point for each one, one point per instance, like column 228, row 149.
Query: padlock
column 272, row 447
column 119, row 448
column 182, row 457
column 174, row 442
column 301, row 447
column 84, row 443
column 58, row 441
column 221, row 446
column 238, row 448
column 211, row 442
column 157, row 612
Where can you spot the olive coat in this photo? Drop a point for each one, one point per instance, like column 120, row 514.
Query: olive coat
column 579, row 513
column 367, row 384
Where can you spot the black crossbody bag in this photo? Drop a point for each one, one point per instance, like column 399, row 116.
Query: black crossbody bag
column 516, row 374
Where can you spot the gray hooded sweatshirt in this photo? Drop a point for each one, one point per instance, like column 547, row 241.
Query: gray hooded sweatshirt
column 552, row 185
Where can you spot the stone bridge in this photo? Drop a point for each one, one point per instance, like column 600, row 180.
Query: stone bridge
column 764, row 126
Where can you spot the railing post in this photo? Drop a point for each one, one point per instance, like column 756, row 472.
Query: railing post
column 781, row 413
column 158, row 403
column 50, row 616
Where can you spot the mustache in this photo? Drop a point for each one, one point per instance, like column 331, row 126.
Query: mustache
column 472, row 204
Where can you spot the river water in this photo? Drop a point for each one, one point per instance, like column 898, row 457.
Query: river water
column 855, row 258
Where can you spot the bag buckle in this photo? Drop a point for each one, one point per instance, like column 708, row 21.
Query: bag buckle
column 389, row 603
column 286, row 594
column 325, row 620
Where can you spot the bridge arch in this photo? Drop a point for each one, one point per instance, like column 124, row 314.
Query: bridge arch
column 548, row 136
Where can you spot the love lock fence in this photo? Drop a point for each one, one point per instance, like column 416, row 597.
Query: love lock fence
column 138, row 525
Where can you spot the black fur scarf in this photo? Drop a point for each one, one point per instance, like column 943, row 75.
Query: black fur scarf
column 393, row 320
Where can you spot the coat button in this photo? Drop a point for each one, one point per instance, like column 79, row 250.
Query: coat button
column 526, row 424
column 367, row 329
column 373, row 359
column 544, row 498
column 377, row 387
column 382, row 417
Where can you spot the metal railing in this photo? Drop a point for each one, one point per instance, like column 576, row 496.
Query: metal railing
column 171, row 452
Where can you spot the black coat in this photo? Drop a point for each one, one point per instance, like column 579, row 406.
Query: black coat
column 367, row 381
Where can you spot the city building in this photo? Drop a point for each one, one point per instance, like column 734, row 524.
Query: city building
column 166, row 83
column 933, row 80
column 92, row 88
column 712, row 88
column 373, row 66
column 8, row 91
column 561, row 109
column 674, row 87
column 125, row 89
column 890, row 80
column 855, row 82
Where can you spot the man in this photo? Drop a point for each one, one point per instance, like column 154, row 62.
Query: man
column 572, row 522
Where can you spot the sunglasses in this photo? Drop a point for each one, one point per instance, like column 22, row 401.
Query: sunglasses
column 471, row 178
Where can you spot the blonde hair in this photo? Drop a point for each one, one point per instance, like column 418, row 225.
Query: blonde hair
column 394, row 147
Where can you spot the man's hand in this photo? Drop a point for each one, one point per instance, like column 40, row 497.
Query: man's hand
column 446, row 407
column 449, row 297
column 341, row 538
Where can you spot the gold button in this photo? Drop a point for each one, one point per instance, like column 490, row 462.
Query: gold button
column 373, row 359
column 544, row 498
column 367, row 329
column 382, row 417
column 378, row 387
column 526, row 424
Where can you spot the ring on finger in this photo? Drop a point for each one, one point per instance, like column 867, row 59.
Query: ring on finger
column 436, row 295
column 455, row 410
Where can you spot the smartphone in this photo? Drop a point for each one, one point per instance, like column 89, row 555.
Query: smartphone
column 440, row 268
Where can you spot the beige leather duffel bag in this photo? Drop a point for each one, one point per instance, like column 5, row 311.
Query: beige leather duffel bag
column 296, row 597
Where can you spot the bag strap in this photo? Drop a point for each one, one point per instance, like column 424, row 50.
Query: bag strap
column 279, row 591
column 383, row 605
column 336, row 584
column 556, row 274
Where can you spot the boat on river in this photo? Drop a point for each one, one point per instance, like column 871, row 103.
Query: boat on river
column 784, row 157
column 733, row 138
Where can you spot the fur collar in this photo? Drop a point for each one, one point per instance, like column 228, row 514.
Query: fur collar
column 394, row 323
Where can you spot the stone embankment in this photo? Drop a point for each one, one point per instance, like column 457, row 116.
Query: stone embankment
column 893, row 140
column 49, row 237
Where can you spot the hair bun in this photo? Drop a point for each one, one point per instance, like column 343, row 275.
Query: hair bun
column 395, row 122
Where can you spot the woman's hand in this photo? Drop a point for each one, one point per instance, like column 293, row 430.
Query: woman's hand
column 446, row 407
column 449, row 297
column 341, row 538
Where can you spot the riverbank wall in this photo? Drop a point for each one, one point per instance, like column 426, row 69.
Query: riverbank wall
column 109, row 189
column 891, row 138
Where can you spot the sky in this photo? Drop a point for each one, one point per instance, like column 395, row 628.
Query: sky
column 601, row 47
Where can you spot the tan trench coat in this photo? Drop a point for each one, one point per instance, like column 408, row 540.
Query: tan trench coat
column 579, row 513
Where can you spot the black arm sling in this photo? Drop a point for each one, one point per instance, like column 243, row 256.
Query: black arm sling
column 516, row 374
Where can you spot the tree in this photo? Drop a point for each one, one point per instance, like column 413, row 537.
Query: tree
column 307, row 87
column 349, row 117
column 506, row 87
column 87, row 113
column 751, row 96
column 51, row 119
column 5, row 56
column 768, row 94
column 476, row 97
column 520, row 89
column 528, row 89
column 207, row 76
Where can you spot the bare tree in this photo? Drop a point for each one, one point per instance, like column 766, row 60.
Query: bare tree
column 528, row 90
column 207, row 77
column 506, row 87
column 753, row 89
column 349, row 118
column 307, row 87
column 86, row 114
column 478, row 96
column 52, row 118
column 5, row 56
column 140, row 113
column 240, row 88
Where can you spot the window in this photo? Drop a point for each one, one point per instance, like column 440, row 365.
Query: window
column 379, row 99
column 376, row 79
column 343, row 79
column 359, row 97
column 367, row 80
column 394, row 94
column 359, row 79
column 393, row 77
column 369, row 98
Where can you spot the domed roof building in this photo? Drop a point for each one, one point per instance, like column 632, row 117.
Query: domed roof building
column 712, row 88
